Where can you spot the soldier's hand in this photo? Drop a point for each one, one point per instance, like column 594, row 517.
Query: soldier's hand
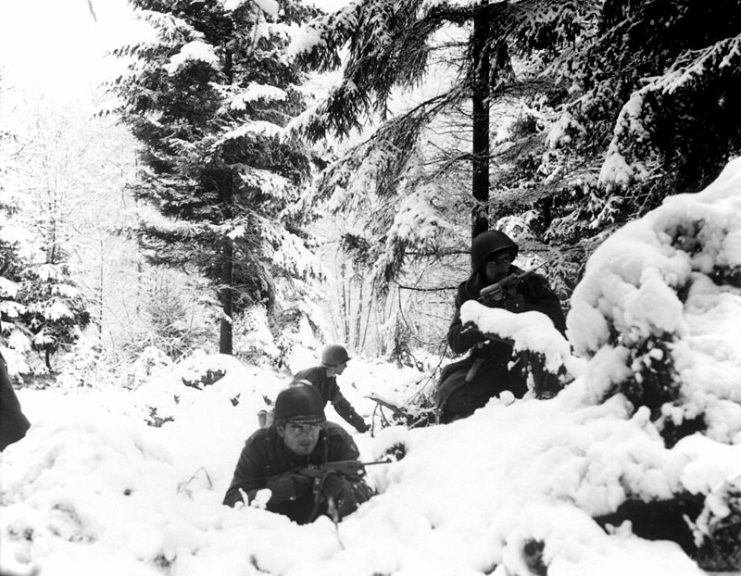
column 514, row 303
column 333, row 485
column 288, row 487
column 472, row 333
column 362, row 426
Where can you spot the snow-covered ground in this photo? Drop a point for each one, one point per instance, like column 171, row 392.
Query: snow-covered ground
column 93, row 490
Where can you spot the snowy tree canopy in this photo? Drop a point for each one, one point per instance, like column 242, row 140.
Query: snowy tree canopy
column 210, row 99
column 599, row 110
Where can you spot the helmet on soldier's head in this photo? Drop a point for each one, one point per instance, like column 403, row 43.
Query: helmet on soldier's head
column 334, row 355
column 487, row 243
column 300, row 403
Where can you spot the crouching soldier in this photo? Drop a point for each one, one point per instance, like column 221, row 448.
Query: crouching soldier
column 489, row 369
column 293, row 459
column 324, row 379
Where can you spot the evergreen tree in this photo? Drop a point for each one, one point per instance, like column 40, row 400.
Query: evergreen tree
column 421, row 154
column 644, row 108
column 44, row 309
column 599, row 110
column 11, row 261
column 10, row 266
column 209, row 99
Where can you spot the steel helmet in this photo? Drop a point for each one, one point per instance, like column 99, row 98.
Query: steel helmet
column 487, row 243
column 334, row 355
column 299, row 403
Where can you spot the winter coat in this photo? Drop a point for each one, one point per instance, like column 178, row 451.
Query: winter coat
column 13, row 423
column 330, row 392
column 489, row 361
column 265, row 456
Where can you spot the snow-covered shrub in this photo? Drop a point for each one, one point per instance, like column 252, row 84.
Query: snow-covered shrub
column 149, row 363
column 661, row 297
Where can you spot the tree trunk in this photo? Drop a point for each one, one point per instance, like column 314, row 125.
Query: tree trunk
column 226, row 293
column 225, row 297
column 480, row 100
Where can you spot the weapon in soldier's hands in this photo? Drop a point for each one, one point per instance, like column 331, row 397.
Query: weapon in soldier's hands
column 333, row 485
column 498, row 292
column 319, row 473
column 351, row 468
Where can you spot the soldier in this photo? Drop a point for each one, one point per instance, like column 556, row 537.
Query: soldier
column 488, row 370
column 323, row 378
column 278, row 458
column 13, row 423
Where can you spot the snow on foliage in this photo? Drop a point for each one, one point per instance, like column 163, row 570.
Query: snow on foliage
column 91, row 489
column 417, row 221
column 8, row 288
column 634, row 153
column 561, row 132
column 254, row 92
column 304, row 40
column 269, row 7
column 673, row 276
column 254, row 127
column 195, row 50
column 266, row 181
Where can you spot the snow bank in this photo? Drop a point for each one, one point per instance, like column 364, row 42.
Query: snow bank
column 510, row 490
column 672, row 277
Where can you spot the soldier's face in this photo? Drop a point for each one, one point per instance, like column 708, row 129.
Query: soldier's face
column 301, row 439
column 497, row 267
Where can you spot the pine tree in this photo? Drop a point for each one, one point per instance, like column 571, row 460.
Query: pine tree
column 465, row 51
column 646, row 110
column 10, row 266
column 44, row 310
column 11, row 262
column 209, row 99
column 668, row 88
column 600, row 110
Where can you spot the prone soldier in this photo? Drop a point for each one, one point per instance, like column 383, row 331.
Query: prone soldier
column 303, row 460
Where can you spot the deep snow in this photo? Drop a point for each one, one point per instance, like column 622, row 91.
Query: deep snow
column 94, row 490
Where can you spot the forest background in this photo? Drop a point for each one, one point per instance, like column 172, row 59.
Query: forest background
column 262, row 177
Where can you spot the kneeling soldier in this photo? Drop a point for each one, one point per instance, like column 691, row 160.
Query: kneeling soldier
column 285, row 457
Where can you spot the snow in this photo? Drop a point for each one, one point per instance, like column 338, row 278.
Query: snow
column 195, row 50
column 254, row 92
column 270, row 7
column 8, row 288
column 529, row 331
column 254, row 128
column 560, row 133
column 304, row 40
column 92, row 489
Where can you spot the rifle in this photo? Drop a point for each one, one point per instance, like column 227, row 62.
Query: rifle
column 319, row 472
column 496, row 293
column 348, row 468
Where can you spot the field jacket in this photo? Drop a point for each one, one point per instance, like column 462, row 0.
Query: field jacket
column 330, row 392
column 265, row 455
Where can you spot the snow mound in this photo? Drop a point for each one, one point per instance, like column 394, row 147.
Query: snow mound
column 514, row 489
column 660, row 303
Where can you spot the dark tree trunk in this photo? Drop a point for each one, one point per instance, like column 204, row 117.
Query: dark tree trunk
column 226, row 291
column 480, row 99
column 225, row 297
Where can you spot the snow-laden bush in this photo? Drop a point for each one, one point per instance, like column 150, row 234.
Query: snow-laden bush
column 660, row 305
